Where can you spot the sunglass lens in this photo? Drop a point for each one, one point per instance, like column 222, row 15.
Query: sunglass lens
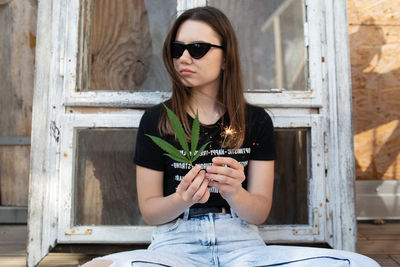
column 198, row 50
column 177, row 50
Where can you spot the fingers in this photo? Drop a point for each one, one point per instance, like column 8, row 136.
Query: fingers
column 224, row 169
column 203, row 194
column 230, row 162
column 188, row 179
column 194, row 187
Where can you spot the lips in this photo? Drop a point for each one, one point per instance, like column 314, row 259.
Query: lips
column 186, row 72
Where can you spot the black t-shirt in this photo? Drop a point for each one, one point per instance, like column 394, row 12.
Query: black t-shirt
column 258, row 145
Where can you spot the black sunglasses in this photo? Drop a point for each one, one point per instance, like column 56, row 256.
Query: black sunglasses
column 196, row 50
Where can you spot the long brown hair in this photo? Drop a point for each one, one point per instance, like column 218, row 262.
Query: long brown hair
column 230, row 94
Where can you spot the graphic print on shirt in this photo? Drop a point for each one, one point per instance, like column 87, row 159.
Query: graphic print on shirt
column 211, row 153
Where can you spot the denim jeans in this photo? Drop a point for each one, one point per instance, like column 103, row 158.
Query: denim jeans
column 226, row 240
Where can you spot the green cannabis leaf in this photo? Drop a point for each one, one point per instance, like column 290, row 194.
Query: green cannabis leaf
column 174, row 153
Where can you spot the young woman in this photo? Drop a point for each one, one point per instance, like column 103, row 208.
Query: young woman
column 206, row 215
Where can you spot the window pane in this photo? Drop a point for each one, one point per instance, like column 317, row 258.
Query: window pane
column 122, row 42
column 106, row 178
column 271, row 40
column 290, row 202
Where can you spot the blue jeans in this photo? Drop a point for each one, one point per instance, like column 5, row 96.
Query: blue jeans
column 226, row 240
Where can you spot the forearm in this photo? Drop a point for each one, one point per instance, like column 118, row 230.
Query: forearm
column 160, row 210
column 250, row 207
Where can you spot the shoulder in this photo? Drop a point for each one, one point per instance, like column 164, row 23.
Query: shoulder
column 153, row 113
column 150, row 118
column 257, row 115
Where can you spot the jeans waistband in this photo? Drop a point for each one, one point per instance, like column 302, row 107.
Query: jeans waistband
column 195, row 212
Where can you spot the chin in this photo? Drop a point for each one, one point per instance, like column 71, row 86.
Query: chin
column 187, row 84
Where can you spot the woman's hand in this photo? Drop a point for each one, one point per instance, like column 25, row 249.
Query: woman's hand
column 194, row 186
column 227, row 175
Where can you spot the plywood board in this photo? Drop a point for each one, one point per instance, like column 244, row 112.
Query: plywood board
column 17, row 54
column 376, row 99
column 383, row 12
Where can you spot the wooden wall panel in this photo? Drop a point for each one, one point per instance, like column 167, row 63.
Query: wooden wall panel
column 375, row 62
column 119, row 44
column 14, row 170
column 17, row 57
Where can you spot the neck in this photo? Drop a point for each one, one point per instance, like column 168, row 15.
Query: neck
column 204, row 101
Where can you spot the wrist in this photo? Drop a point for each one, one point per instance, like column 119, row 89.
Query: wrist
column 180, row 201
column 236, row 197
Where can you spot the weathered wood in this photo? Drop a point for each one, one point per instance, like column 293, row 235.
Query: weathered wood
column 385, row 260
column 157, row 79
column 5, row 2
column 119, row 45
column 371, row 231
column 43, row 185
column 12, row 248
column 17, row 46
column 396, row 258
column 46, row 173
column 14, row 175
column 339, row 143
column 379, row 247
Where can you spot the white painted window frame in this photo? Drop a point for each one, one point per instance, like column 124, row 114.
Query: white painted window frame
column 266, row 97
column 307, row 99
column 326, row 108
column 68, row 233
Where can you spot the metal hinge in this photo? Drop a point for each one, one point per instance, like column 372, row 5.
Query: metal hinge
column 54, row 131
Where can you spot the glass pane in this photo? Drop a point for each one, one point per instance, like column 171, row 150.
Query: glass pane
column 290, row 202
column 106, row 179
column 271, row 40
column 122, row 43
column 105, row 184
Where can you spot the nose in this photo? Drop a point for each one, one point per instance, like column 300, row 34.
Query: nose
column 185, row 58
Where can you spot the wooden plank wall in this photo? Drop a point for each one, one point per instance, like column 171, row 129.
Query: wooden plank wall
column 374, row 28
column 17, row 57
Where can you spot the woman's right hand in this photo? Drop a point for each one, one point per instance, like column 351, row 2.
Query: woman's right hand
column 194, row 186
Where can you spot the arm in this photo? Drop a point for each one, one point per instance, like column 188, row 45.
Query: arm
column 157, row 209
column 254, row 204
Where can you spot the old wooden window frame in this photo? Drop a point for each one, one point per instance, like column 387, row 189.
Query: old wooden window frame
column 323, row 109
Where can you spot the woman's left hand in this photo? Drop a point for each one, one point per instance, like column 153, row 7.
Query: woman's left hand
column 226, row 174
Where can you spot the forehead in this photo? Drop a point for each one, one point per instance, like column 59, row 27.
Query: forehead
column 194, row 30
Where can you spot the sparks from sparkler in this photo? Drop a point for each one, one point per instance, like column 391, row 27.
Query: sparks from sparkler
column 229, row 130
